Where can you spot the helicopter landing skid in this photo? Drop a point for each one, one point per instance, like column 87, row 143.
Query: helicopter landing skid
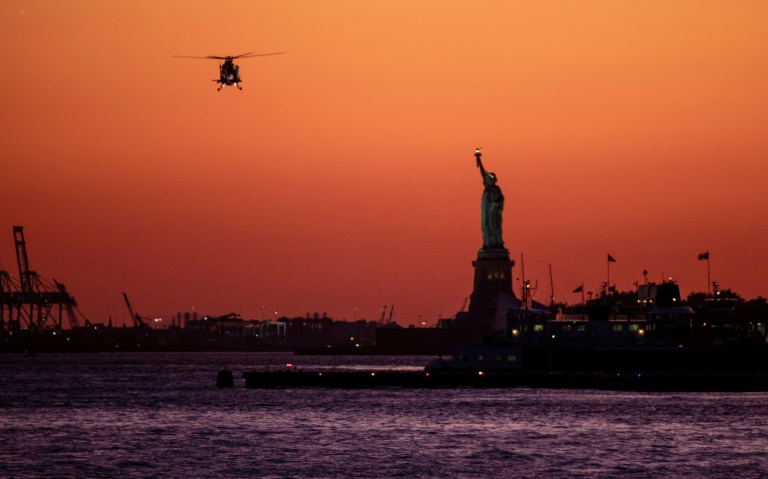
column 222, row 85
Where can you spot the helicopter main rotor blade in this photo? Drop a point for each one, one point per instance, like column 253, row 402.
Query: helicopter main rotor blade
column 200, row 58
column 251, row 55
column 243, row 55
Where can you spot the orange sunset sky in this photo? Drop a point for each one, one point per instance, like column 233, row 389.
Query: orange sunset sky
column 342, row 177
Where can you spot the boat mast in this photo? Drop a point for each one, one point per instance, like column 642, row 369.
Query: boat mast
column 551, row 290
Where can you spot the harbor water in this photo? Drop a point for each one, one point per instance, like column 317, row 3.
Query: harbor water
column 161, row 415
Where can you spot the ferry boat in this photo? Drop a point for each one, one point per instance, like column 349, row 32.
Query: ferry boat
column 658, row 333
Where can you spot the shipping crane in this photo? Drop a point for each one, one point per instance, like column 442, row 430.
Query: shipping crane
column 21, row 259
column 138, row 321
column 7, row 303
column 37, row 304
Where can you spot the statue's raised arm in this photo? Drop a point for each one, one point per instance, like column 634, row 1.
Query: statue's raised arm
column 478, row 153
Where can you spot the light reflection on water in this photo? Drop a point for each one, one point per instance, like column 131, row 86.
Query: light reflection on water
column 160, row 415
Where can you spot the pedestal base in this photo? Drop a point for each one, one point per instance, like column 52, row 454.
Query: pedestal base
column 493, row 276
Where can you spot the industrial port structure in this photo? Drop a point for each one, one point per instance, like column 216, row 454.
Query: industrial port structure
column 30, row 302
column 40, row 315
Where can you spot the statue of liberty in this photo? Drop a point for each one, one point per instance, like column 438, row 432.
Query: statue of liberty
column 490, row 208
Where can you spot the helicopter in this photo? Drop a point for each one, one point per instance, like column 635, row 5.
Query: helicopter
column 229, row 73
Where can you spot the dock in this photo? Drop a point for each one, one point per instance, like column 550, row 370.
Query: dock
column 655, row 381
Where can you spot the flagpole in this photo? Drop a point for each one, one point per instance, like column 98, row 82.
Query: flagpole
column 709, row 283
column 551, row 290
column 610, row 259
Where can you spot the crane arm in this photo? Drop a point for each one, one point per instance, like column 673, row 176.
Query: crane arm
column 137, row 321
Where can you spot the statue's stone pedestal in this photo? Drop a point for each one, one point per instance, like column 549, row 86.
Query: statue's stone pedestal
column 493, row 276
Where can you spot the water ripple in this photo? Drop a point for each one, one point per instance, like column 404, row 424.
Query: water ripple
column 158, row 415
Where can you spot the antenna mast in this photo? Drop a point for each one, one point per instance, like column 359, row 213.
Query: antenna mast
column 551, row 289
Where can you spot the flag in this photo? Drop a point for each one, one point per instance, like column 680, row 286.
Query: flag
column 579, row 289
column 612, row 289
column 704, row 256
column 610, row 259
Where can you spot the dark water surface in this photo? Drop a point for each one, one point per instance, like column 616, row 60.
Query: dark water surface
column 160, row 415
